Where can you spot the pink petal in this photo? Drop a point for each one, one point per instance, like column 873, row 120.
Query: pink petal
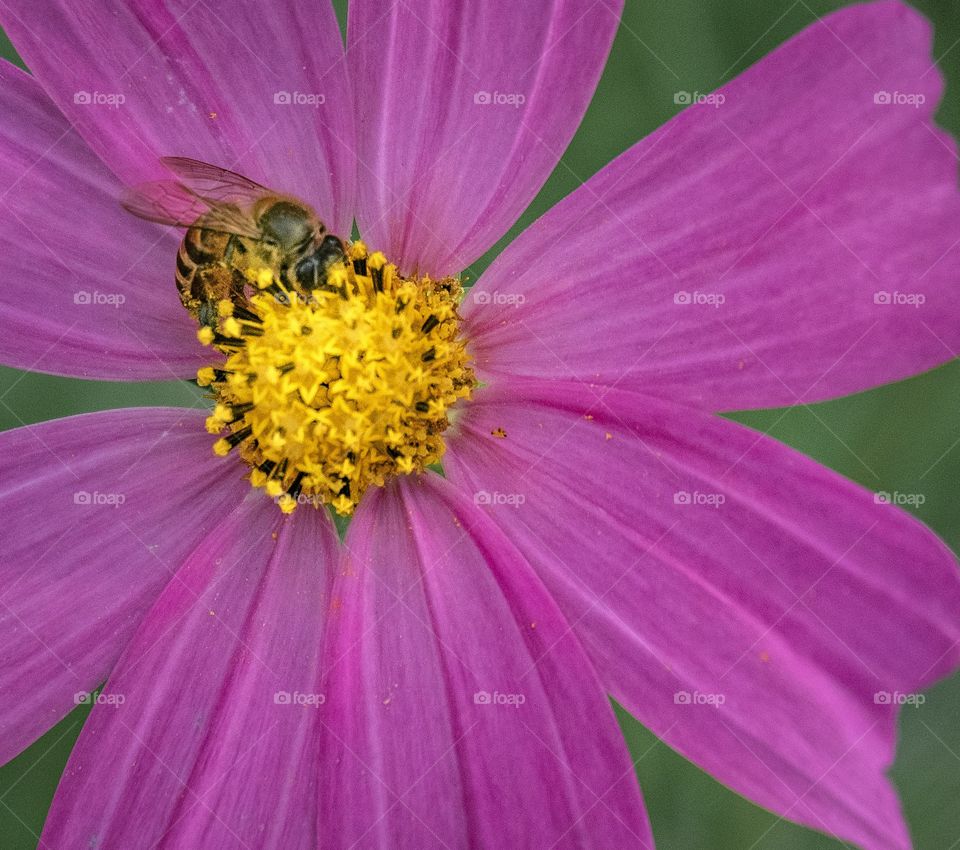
column 441, row 175
column 799, row 201
column 201, row 80
column 87, row 289
column 458, row 699
column 206, row 749
column 797, row 600
column 99, row 510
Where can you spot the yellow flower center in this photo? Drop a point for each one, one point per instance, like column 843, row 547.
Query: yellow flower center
column 328, row 393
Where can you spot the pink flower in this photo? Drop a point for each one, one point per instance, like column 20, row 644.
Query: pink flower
column 430, row 681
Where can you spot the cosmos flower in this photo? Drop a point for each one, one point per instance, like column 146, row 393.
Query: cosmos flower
column 440, row 677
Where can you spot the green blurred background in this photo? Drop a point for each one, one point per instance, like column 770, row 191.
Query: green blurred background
column 901, row 437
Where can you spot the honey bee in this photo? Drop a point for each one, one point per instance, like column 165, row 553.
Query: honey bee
column 234, row 225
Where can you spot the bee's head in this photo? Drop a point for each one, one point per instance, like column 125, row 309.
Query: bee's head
column 288, row 225
column 311, row 271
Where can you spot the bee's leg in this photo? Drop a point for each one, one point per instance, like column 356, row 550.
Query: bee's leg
column 233, row 245
column 207, row 314
column 238, row 287
column 185, row 289
column 208, row 287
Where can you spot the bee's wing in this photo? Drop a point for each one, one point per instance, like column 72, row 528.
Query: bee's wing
column 170, row 202
column 215, row 184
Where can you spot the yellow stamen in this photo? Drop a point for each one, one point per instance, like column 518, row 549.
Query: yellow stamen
column 327, row 393
column 206, row 375
column 231, row 327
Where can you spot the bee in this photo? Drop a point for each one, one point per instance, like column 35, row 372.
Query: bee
column 234, row 225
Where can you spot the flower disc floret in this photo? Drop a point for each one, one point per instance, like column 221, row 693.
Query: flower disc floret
column 330, row 392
